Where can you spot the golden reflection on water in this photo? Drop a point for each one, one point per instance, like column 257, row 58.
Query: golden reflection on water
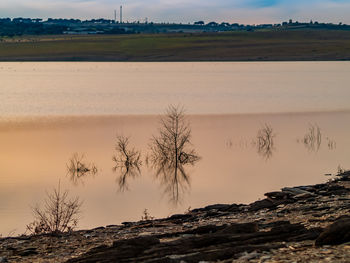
column 34, row 156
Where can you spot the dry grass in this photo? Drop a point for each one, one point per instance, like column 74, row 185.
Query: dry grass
column 59, row 214
column 233, row 46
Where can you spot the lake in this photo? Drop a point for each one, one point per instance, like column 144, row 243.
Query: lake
column 51, row 112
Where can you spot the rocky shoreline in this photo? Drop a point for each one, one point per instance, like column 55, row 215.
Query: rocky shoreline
column 298, row 224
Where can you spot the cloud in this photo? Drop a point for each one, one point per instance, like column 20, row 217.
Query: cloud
column 242, row 11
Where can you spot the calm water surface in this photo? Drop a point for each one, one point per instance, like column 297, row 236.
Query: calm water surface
column 50, row 111
column 147, row 88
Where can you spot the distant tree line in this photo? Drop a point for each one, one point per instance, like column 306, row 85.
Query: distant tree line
column 18, row 28
column 37, row 26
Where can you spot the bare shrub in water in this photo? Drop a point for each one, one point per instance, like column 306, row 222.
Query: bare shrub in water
column 146, row 216
column 171, row 150
column 127, row 160
column 59, row 214
column 174, row 139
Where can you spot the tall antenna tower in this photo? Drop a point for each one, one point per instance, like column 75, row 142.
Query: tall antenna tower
column 121, row 14
column 115, row 16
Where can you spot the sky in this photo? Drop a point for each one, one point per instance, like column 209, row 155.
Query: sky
column 184, row 11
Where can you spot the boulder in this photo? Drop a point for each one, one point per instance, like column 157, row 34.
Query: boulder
column 278, row 195
column 261, row 204
column 336, row 233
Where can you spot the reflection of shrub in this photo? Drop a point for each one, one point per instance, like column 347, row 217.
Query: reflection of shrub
column 265, row 141
column 331, row 144
column 58, row 215
column 77, row 167
column 127, row 161
column 312, row 140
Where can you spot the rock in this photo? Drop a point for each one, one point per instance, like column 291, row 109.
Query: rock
column 28, row 252
column 342, row 198
column 120, row 251
column 204, row 230
column 278, row 195
column 98, row 248
column 234, row 208
column 212, row 213
column 180, row 217
column 264, row 258
column 275, row 223
column 336, row 190
column 3, row 260
column 221, row 229
column 261, row 204
column 248, row 256
column 219, row 207
column 98, row 228
column 139, row 242
column 304, row 196
column 214, row 233
column 344, row 175
column 112, row 226
column 240, row 228
column 295, row 191
column 127, row 224
column 224, row 244
column 336, row 233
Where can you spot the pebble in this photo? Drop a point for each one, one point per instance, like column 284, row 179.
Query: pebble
column 264, row 258
column 247, row 256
